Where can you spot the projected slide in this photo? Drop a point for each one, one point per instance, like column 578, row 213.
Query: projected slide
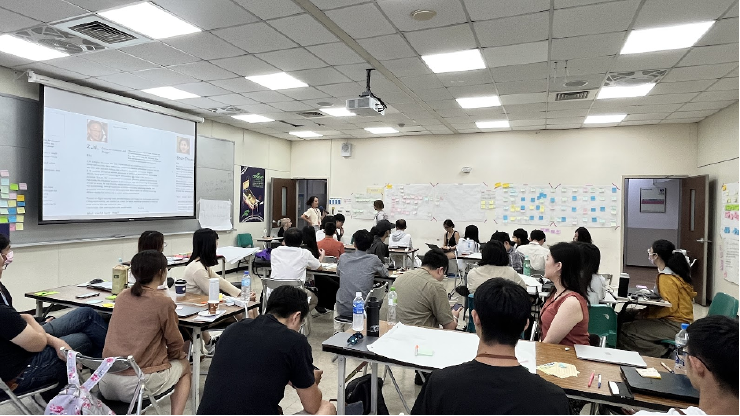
column 101, row 162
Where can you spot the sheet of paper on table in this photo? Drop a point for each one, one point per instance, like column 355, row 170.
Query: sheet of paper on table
column 561, row 370
column 234, row 254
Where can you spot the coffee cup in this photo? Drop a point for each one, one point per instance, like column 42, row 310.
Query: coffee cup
column 180, row 287
column 212, row 308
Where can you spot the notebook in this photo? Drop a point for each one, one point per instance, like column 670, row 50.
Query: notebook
column 671, row 386
column 107, row 286
column 609, row 355
column 183, row 311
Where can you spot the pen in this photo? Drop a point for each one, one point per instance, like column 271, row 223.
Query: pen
column 666, row 367
column 416, row 350
column 599, row 380
column 591, row 380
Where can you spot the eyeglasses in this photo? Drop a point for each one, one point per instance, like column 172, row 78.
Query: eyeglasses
column 650, row 253
column 355, row 338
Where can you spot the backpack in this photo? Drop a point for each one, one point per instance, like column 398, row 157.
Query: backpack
column 75, row 399
column 358, row 390
column 264, row 255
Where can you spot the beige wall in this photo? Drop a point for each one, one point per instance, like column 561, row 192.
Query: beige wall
column 718, row 158
column 42, row 267
column 571, row 157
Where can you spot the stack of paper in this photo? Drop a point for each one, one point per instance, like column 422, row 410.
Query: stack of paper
column 561, row 370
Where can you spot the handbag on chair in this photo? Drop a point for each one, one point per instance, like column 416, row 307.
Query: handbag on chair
column 76, row 399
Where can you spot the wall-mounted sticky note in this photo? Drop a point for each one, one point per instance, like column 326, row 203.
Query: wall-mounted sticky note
column 12, row 195
column 552, row 200
column 523, row 199
column 13, row 186
column 531, row 217
column 12, row 219
column 585, row 198
column 594, row 219
column 575, row 198
column 593, row 209
column 537, row 207
column 573, row 209
column 23, row 186
column 614, row 190
column 11, row 227
column 21, row 198
column 531, row 207
column 21, row 210
column 483, row 204
column 11, row 203
column 19, row 226
column 5, row 181
column 20, row 204
column 540, row 218
column 3, row 203
column 11, row 211
column 4, row 189
column 506, row 218
column 602, row 209
column 562, row 219
column 532, row 199
column 20, row 218
column 3, row 219
column 3, row 211
column 4, row 173
column 593, row 198
column 523, row 208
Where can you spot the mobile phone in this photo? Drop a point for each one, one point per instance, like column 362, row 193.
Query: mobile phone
column 87, row 295
column 457, row 307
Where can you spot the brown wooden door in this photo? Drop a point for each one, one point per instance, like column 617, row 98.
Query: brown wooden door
column 283, row 200
column 694, row 230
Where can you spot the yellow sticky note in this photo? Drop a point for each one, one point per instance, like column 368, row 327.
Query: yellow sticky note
column 19, row 226
column 389, row 186
column 531, row 207
column 483, row 204
column 11, row 203
column 506, row 185
column 21, row 210
column 107, row 305
column 13, row 186
column 514, row 208
column 497, row 185
column 20, row 218
column 21, row 198
column 542, row 208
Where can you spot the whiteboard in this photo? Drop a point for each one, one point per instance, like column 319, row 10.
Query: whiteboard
column 435, row 202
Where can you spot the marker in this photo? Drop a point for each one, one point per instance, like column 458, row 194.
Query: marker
column 599, row 380
column 591, row 380
column 416, row 350
column 666, row 367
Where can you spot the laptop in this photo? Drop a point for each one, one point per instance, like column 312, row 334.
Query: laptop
column 671, row 386
column 609, row 355
column 183, row 311
column 106, row 286
column 433, row 246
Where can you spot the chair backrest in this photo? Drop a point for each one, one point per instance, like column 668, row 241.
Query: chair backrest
column 723, row 304
column 244, row 240
column 330, row 259
column 121, row 363
column 602, row 321
column 270, row 284
column 274, row 231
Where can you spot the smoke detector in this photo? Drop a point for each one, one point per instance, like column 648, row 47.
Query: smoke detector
column 423, row 15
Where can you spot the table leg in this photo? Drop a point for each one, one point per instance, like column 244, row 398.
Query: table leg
column 195, row 384
column 249, row 264
column 374, row 389
column 223, row 267
column 39, row 308
column 341, row 369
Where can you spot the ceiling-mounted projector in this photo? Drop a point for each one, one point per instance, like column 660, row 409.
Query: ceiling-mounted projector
column 367, row 104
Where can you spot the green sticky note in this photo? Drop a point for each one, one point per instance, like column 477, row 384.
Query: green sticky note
column 3, row 219
column 13, row 186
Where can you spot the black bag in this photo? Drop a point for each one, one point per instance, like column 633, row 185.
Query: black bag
column 358, row 390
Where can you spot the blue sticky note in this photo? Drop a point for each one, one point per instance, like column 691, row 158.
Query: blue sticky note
column 531, row 199
column 593, row 198
column 523, row 199
column 735, row 231
column 5, row 181
column 552, row 199
column 593, row 209
column 537, row 207
column 12, row 219
column 614, row 190
column 562, row 219
column 575, row 198
column 602, row 209
column 594, row 219
column 506, row 218
column 524, row 208
column 11, row 211
column 540, row 218
column 21, row 204
column 573, row 209
column 531, row 217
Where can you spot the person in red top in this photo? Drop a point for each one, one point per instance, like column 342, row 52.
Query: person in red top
column 564, row 315
column 331, row 246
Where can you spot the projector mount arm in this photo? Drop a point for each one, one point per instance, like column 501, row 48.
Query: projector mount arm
column 369, row 93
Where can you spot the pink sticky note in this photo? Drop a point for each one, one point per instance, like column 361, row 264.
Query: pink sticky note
column 23, row 186
column 13, row 195
column 4, row 173
column 12, row 227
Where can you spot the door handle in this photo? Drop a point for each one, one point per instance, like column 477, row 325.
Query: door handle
column 702, row 240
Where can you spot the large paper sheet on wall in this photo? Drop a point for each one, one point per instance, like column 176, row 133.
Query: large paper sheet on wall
column 435, row 201
column 729, row 232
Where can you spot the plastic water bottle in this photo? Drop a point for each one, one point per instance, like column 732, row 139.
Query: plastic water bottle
column 527, row 268
column 682, row 338
column 246, row 286
column 392, row 302
column 358, row 313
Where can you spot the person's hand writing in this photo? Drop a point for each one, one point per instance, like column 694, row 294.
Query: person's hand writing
column 317, row 375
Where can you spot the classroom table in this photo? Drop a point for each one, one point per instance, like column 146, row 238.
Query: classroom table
column 267, row 240
column 66, row 296
column 574, row 387
column 610, row 299
column 172, row 262
column 406, row 252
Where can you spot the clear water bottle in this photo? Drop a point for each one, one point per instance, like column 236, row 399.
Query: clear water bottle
column 358, row 313
column 682, row 338
column 527, row 268
column 246, row 286
column 392, row 302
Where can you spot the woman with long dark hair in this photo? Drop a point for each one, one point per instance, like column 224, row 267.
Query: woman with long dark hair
column 564, row 315
column 582, row 235
column 655, row 323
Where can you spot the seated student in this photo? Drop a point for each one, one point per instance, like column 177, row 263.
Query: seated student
column 582, row 235
column 451, row 238
column 320, row 232
column 655, row 323
column 423, row 296
column 712, row 366
column 593, row 282
column 339, row 220
column 520, row 237
column 257, row 358
column 29, row 351
column 516, row 259
column 284, row 224
column 379, row 247
column 399, row 237
column 356, row 270
column 151, row 240
column 535, row 251
column 380, row 215
column 326, row 287
column 329, row 244
column 564, row 315
column 290, row 261
column 494, row 263
column 469, row 244
column 493, row 382
column 148, row 312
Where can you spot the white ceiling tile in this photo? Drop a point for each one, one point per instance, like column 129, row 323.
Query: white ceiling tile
column 203, row 89
column 459, row 79
column 524, row 123
column 387, row 47
column 267, row 96
column 735, row 72
column 724, row 84
column 407, row 66
column 512, row 30
column 442, row 40
column 130, row 81
column 320, row 76
column 569, row 105
column 355, row 72
column 362, row 21
column 565, row 120
column 707, row 55
column 634, row 109
column 520, row 72
column 258, row 108
column 422, row 82
column 464, row 126
column 238, row 85
column 724, row 31
column 255, row 38
column 681, row 87
column 336, row 54
column 717, row 96
column 201, row 102
column 652, row 60
column 82, row 66
column 657, row 13
column 482, row 113
column 303, row 29
column 681, row 121
column 291, row 106
column 707, row 105
column 10, row 21
column 592, row 81
column 526, row 115
column 656, row 99
column 733, row 12
column 292, row 59
column 344, row 90
column 233, row 99
column 525, row 53
column 104, row 85
column 646, row 116
column 270, row 9
column 448, row 104
column 205, row 46
column 567, row 113
column 95, row 5
column 333, row 101
column 576, row 67
column 589, row 46
column 245, row 65
column 43, row 10
column 531, row 98
column 529, row 127
column 691, row 73
column 309, row 93
column 472, row 90
column 482, row 10
column 597, row 18
column 10, row 61
column 159, row 53
column 435, row 94
column 203, row 70
column 399, row 12
column 165, row 76
column 333, row 4
column 55, row 72
column 639, row 122
column 118, row 59
column 217, row 14
column 691, row 114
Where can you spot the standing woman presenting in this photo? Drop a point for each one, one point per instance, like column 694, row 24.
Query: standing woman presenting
column 313, row 215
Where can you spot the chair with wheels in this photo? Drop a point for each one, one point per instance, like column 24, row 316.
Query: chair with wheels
column 602, row 321
column 7, row 395
column 270, row 284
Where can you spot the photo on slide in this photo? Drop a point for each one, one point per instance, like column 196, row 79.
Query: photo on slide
column 97, row 131
column 183, row 145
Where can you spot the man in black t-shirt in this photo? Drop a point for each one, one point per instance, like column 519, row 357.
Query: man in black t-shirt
column 494, row 382
column 256, row 358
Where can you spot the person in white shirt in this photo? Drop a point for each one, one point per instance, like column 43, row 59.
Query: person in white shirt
column 313, row 214
column 594, row 282
column 380, row 214
column 290, row 261
column 712, row 366
column 535, row 251
column 399, row 237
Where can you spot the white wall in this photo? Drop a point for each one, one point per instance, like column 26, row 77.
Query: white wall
column 571, row 157
column 645, row 227
column 718, row 157
column 42, row 267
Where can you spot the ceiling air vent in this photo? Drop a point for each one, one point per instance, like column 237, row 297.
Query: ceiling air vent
column 102, row 32
column 573, row 95
column 227, row 111
column 311, row 114
column 59, row 40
